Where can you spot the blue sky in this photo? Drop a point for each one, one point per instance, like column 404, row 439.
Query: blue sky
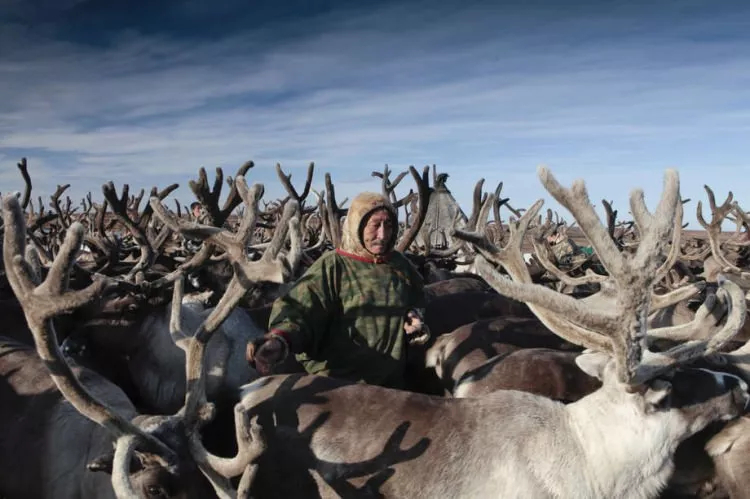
column 148, row 92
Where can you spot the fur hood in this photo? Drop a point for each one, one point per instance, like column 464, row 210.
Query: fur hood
column 362, row 205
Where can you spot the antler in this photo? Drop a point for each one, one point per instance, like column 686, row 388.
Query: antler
column 286, row 181
column 331, row 212
column 389, row 187
column 43, row 301
column 269, row 268
column 620, row 330
column 423, row 189
column 23, row 167
column 542, row 252
column 55, row 203
column 718, row 214
column 209, row 198
column 120, row 209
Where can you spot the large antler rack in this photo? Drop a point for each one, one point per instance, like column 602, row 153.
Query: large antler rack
column 64, row 216
column 720, row 261
column 272, row 267
column 269, row 268
column 621, row 329
column 713, row 228
column 209, row 197
column 739, row 358
column 497, row 205
column 42, row 234
column 742, row 219
column 42, row 301
column 389, row 187
column 147, row 246
column 286, row 181
column 100, row 240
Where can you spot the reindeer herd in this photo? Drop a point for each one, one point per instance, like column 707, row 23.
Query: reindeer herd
column 619, row 372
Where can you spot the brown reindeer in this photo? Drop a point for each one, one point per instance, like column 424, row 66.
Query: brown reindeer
column 470, row 355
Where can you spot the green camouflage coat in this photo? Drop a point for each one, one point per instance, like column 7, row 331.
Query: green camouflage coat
column 344, row 317
column 568, row 253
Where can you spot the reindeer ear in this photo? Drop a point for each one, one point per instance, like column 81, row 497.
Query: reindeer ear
column 593, row 363
column 102, row 463
column 434, row 355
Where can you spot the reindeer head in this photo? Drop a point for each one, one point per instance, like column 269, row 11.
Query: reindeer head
column 683, row 400
column 155, row 475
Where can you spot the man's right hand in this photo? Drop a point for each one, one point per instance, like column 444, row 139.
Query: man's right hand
column 266, row 352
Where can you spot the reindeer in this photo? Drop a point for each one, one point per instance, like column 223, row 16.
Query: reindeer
column 44, row 451
column 329, row 438
column 508, row 353
column 727, row 447
column 542, row 371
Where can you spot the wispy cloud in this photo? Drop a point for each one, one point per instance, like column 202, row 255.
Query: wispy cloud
column 481, row 92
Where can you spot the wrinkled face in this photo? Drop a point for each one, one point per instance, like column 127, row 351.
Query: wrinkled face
column 377, row 232
column 554, row 238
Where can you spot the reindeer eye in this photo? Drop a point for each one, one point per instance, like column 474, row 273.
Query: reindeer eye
column 156, row 491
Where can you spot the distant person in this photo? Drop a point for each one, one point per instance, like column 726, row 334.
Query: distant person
column 566, row 252
column 196, row 209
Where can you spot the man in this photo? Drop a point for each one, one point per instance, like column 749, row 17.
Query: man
column 347, row 316
column 196, row 209
column 566, row 252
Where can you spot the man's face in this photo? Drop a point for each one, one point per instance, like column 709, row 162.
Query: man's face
column 377, row 233
column 554, row 238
